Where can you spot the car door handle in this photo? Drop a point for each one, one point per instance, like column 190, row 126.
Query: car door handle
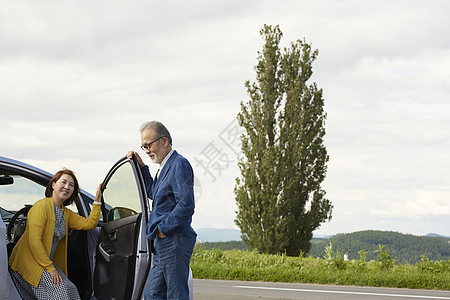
column 113, row 235
column 104, row 253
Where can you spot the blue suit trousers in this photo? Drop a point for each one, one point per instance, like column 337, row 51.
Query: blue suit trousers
column 170, row 268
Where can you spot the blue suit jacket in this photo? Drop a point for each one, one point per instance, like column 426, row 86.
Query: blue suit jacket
column 173, row 198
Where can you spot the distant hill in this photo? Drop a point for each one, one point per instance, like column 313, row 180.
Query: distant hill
column 217, row 235
column 438, row 235
column 226, row 235
column 405, row 248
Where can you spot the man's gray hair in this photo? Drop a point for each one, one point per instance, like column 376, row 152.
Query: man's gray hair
column 159, row 129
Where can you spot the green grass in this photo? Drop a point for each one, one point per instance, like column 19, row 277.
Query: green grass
column 252, row 266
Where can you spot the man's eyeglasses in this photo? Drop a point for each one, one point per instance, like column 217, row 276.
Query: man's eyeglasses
column 148, row 145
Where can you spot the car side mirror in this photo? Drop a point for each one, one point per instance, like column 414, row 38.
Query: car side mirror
column 6, row 180
column 117, row 213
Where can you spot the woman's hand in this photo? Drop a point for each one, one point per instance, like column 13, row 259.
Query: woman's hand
column 56, row 277
column 98, row 194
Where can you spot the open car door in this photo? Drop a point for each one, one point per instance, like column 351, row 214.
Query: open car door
column 122, row 253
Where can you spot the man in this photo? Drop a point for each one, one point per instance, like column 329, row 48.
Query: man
column 169, row 227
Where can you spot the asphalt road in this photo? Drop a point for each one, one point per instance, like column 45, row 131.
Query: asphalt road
column 226, row 290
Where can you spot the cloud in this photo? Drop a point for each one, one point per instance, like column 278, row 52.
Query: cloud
column 79, row 78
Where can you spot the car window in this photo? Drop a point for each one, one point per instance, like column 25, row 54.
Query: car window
column 122, row 193
column 21, row 192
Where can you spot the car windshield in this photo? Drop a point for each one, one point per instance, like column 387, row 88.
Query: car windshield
column 22, row 192
column 4, row 212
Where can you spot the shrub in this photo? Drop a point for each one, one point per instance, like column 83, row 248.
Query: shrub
column 384, row 258
column 427, row 265
column 334, row 258
column 361, row 263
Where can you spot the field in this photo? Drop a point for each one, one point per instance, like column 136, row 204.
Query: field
column 332, row 269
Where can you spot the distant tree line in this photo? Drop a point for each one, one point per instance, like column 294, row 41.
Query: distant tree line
column 240, row 245
column 404, row 248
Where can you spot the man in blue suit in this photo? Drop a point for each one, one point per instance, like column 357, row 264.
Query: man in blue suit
column 169, row 227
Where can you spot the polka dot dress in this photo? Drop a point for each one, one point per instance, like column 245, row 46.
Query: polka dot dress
column 45, row 289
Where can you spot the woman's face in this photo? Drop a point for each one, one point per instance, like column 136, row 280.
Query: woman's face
column 63, row 187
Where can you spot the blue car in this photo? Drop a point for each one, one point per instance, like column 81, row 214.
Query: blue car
column 111, row 261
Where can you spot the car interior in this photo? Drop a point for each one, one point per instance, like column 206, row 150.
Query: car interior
column 17, row 195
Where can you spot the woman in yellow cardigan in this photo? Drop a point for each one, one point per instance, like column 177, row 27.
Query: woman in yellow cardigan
column 38, row 263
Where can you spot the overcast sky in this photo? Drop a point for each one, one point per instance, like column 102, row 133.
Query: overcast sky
column 78, row 78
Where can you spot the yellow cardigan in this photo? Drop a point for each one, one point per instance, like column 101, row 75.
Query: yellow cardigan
column 31, row 255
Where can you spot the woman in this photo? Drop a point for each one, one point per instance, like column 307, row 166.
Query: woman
column 38, row 263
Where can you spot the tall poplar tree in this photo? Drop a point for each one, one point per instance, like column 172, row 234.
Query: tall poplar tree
column 279, row 196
